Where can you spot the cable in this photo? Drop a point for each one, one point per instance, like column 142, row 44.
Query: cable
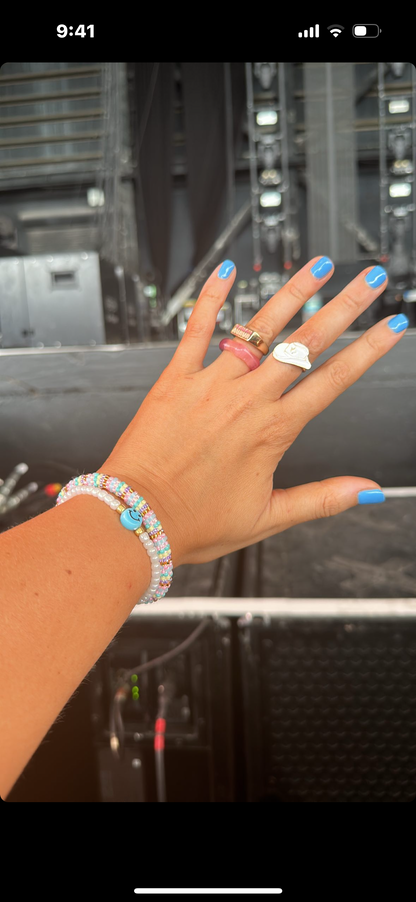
column 148, row 105
column 141, row 129
column 172, row 653
column 166, row 693
column 123, row 691
column 160, row 768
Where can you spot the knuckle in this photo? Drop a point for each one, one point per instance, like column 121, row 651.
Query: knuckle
column 269, row 435
column 349, row 301
column 295, row 292
column 196, row 326
column 212, row 294
column 237, row 407
column 264, row 325
column 338, row 375
column 327, row 505
column 374, row 341
column 278, row 434
column 310, row 336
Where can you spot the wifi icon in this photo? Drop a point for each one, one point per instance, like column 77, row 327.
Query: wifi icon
column 335, row 29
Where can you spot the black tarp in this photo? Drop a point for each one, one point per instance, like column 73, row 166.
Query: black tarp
column 204, row 122
column 203, row 86
column 153, row 87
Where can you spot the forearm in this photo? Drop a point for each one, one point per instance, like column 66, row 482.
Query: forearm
column 69, row 579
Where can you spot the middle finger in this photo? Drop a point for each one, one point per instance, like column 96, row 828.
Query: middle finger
column 319, row 332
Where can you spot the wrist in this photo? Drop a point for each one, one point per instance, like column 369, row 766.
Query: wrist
column 169, row 526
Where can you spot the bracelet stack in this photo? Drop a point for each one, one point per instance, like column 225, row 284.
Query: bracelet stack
column 133, row 513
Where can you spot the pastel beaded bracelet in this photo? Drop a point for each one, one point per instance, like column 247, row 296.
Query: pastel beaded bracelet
column 136, row 512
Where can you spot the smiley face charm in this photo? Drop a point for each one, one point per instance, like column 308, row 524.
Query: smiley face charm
column 294, row 353
column 130, row 519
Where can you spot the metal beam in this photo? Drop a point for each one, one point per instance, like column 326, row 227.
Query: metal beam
column 208, row 263
column 79, row 94
column 12, row 121
column 14, row 77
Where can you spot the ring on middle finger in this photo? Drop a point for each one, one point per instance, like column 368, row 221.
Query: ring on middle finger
column 247, row 334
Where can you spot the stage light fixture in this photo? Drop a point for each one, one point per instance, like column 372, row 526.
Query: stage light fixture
column 399, row 106
column 270, row 177
column 270, row 199
column 266, row 117
column 400, row 189
column 402, row 167
column 95, row 197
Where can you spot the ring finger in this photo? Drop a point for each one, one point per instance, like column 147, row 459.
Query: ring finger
column 315, row 393
column 319, row 332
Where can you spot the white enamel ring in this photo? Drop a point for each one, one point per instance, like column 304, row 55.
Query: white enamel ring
column 294, row 353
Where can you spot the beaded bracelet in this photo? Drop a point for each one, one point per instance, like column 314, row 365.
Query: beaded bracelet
column 116, row 505
column 151, row 534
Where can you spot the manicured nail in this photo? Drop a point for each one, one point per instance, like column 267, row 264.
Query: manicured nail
column 371, row 496
column 376, row 276
column 399, row 323
column 226, row 269
column 322, row 267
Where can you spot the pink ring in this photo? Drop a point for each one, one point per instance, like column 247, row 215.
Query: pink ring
column 227, row 344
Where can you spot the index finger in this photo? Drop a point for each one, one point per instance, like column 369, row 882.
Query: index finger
column 280, row 309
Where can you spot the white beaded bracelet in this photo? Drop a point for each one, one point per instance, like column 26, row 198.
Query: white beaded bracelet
column 147, row 543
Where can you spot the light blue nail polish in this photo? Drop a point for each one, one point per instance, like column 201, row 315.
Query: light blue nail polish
column 226, row 269
column 376, row 276
column 399, row 323
column 371, row 496
column 322, row 267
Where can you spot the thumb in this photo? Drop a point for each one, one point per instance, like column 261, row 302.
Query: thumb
column 315, row 500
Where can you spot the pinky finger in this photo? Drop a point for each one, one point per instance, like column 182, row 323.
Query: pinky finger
column 193, row 346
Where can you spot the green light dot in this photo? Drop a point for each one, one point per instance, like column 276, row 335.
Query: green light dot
column 134, row 678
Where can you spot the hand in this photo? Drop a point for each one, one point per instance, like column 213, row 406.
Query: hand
column 203, row 446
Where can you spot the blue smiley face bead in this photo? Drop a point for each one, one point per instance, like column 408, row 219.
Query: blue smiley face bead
column 131, row 519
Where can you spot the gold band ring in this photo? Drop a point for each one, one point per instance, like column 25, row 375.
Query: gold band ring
column 247, row 334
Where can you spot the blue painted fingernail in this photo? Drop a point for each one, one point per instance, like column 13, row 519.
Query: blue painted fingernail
column 226, row 269
column 371, row 496
column 376, row 276
column 399, row 323
column 322, row 267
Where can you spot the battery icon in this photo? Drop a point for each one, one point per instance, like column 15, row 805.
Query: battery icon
column 366, row 31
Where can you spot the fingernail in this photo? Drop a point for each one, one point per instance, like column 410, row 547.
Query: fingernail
column 376, row 276
column 322, row 267
column 226, row 269
column 371, row 496
column 399, row 323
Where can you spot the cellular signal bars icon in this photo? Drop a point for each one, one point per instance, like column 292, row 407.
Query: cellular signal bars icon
column 309, row 33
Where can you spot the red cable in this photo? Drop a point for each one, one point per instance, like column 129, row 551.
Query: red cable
column 160, row 728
